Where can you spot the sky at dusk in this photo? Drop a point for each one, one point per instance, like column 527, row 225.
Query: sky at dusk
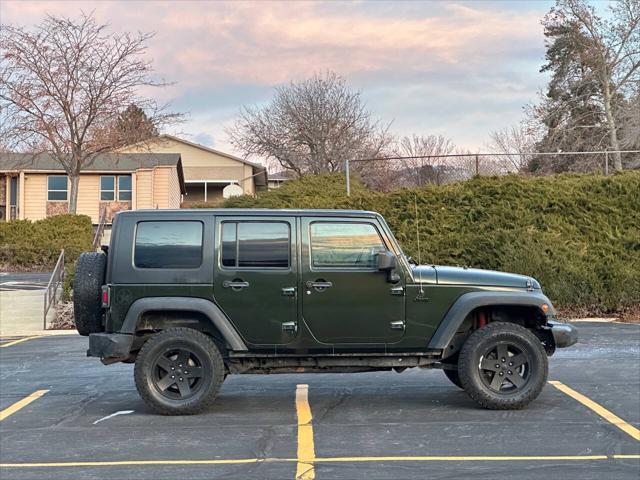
column 460, row 69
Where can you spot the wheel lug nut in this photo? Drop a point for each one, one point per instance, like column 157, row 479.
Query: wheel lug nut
column 501, row 373
column 185, row 372
column 180, row 378
column 497, row 365
column 504, row 360
column 173, row 368
column 511, row 364
column 173, row 376
column 509, row 372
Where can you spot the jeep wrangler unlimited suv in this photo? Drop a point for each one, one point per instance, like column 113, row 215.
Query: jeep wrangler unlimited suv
column 192, row 296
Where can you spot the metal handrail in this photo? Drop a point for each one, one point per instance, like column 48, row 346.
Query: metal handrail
column 57, row 278
column 100, row 229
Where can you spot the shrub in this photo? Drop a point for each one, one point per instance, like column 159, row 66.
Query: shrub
column 27, row 245
column 579, row 235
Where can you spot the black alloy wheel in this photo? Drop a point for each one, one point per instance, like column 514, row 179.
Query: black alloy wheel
column 503, row 366
column 179, row 371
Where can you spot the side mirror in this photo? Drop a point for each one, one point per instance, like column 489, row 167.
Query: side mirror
column 387, row 261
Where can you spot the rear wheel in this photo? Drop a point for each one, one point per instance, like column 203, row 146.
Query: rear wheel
column 503, row 366
column 179, row 371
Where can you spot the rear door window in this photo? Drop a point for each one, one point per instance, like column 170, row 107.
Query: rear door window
column 254, row 245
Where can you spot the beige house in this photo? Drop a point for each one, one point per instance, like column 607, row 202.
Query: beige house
column 207, row 171
column 35, row 186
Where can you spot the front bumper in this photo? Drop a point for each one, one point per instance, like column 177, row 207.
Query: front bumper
column 564, row 335
column 109, row 345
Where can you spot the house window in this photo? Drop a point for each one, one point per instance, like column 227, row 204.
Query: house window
column 107, row 188
column 124, row 188
column 57, row 187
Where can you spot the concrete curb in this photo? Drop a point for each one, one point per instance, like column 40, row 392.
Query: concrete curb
column 40, row 333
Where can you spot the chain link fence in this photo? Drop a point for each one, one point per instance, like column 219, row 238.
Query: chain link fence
column 397, row 172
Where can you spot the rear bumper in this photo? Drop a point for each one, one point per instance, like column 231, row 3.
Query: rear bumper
column 564, row 335
column 109, row 345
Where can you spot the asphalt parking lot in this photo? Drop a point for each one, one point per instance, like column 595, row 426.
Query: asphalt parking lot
column 54, row 400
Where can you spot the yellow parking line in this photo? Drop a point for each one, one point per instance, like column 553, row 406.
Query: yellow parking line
column 476, row 458
column 462, row 458
column 599, row 409
column 20, row 340
column 306, row 449
column 21, row 404
column 145, row 462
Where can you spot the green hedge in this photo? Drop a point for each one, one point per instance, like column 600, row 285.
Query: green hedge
column 26, row 245
column 579, row 235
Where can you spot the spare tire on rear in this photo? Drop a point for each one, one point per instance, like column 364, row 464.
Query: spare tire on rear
column 87, row 289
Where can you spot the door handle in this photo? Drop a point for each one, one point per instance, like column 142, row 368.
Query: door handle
column 289, row 291
column 290, row 327
column 318, row 284
column 398, row 325
column 236, row 284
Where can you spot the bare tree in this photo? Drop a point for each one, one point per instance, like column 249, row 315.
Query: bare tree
column 516, row 143
column 427, row 164
column 311, row 127
column 64, row 82
column 597, row 58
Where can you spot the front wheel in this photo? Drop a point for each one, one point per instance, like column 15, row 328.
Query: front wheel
column 179, row 371
column 503, row 366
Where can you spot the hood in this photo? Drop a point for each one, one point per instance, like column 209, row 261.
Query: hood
column 471, row 276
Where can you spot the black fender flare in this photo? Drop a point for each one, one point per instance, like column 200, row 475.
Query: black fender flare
column 206, row 307
column 468, row 302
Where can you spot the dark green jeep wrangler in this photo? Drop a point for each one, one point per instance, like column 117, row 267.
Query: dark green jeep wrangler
column 192, row 296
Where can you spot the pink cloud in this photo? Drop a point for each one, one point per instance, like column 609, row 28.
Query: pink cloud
column 204, row 43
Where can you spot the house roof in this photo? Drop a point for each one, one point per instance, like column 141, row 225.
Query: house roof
column 106, row 162
column 259, row 171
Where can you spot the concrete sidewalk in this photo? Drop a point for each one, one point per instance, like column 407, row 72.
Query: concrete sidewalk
column 21, row 312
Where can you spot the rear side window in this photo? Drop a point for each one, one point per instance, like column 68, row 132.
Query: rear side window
column 255, row 244
column 169, row 244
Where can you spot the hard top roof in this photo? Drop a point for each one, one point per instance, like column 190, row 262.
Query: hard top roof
column 255, row 212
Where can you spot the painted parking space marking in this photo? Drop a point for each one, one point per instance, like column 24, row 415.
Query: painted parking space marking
column 599, row 409
column 306, row 448
column 20, row 340
column 21, row 404
column 238, row 461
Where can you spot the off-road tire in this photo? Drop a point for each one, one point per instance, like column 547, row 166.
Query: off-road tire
column 200, row 345
column 453, row 376
column 87, row 284
column 482, row 340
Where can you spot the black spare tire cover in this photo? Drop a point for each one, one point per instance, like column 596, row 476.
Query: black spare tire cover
column 87, row 286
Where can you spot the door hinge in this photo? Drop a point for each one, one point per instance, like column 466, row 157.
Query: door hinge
column 397, row 291
column 397, row 325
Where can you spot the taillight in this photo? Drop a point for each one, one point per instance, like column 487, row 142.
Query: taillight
column 106, row 296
